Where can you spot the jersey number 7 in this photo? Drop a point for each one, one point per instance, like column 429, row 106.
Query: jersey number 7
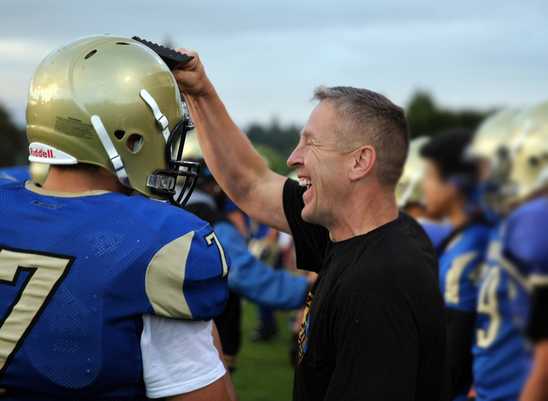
column 45, row 273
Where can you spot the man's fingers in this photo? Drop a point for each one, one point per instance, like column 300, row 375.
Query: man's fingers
column 192, row 64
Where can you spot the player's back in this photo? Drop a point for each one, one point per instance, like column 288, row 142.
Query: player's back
column 77, row 274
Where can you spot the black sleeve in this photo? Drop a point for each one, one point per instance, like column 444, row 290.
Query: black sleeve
column 310, row 240
column 377, row 347
column 460, row 336
column 537, row 329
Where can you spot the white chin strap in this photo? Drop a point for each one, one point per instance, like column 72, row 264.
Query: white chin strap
column 160, row 118
column 113, row 155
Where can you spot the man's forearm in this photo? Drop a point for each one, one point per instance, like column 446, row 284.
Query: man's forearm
column 228, row 152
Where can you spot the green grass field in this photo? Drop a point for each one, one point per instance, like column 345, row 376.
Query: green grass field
column 264, row 372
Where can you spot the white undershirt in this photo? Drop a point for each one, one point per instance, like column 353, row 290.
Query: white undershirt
column 178, row 356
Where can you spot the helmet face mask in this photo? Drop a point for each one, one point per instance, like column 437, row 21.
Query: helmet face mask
column 112, row 102
column 166, row 182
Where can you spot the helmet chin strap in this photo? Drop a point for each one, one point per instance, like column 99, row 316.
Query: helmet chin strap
column 160, row 118
column 113, row 155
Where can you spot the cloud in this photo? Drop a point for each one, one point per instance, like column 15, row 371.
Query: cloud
column 266, row 57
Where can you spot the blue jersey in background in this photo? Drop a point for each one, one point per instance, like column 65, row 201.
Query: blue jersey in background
column 517, row 250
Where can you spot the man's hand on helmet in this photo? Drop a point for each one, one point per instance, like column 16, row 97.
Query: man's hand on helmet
column 191, row 77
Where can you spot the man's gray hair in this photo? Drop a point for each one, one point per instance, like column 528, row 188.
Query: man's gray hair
column 367, row 117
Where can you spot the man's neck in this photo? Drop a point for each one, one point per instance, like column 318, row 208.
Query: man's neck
column 76, row 180
column 362, row 213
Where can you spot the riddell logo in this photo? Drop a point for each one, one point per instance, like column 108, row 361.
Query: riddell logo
column 41, row 153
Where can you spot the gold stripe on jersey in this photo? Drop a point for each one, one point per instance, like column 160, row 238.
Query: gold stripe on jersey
column 165, row 276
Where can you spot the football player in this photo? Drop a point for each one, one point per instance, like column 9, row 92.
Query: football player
column 525, row 245
column 107, row 286
column 410, row 196
column 449, row 186
column 502, row 355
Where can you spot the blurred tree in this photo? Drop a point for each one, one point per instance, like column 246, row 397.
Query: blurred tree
column 14, row 148
column 275, row 160
column 281, row 139
column 427, row 118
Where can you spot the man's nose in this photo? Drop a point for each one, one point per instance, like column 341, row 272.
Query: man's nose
column 295, row 158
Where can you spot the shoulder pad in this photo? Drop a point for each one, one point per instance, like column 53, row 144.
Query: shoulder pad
column 524, row 236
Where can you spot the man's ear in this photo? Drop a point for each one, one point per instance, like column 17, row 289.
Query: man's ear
column 363, row 160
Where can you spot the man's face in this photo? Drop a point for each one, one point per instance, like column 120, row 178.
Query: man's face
column 438, row 193
column 321, row 167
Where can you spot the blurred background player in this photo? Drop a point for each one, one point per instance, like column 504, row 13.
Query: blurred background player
column 502, row 356
column 410, row 196
column 524, row 242
column 249, row 276
column 105, row 293
column 449, row 185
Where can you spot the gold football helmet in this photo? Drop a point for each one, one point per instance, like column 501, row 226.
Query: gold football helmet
column 490, row 149
column 111, row 102
column 408, row 189
column 529, row 154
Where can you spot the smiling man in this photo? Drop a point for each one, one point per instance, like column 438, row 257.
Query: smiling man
column 374, row 327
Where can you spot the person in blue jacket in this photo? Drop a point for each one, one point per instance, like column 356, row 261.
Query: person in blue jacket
column 249, row 277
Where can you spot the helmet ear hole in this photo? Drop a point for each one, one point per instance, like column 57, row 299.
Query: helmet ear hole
column 135, row 142
column 119, row 134
column 90, row 54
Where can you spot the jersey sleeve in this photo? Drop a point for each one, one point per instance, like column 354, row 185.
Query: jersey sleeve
column 310, row 240
column 525, row 242
column 459, row 281
column 187, row 277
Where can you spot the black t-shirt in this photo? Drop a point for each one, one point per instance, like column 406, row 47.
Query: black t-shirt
column 374, row 328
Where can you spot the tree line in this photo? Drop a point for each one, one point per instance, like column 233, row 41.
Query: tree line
column 275, row 140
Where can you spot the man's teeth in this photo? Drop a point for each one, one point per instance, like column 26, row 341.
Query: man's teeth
column 304, row 182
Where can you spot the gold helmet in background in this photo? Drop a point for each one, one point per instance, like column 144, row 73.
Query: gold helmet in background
column 490, row 142
column 409, row 189
column 529, row 154
column 490, row 149
column 111, row 102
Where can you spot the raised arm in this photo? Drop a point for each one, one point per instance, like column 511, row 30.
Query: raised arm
column 238, row 168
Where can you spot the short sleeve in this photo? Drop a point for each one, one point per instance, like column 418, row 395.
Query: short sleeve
column 187, row 277
column 525, row 240
column 178, row 356
column 310, row 240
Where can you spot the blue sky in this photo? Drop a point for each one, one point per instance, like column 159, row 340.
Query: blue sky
column 266, row 57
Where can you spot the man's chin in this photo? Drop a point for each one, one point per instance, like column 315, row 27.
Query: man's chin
column 309, row 216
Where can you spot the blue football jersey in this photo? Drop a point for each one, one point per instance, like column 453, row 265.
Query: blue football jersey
column 436, row 232
column 76, row 275
column 517, row 251
column 460, row 264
